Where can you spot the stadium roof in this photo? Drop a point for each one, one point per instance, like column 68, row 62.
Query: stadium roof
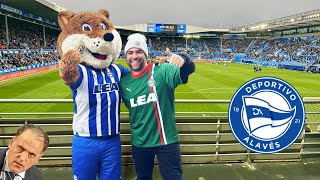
column 305, row 19
column 50, row 11
column 37, row 7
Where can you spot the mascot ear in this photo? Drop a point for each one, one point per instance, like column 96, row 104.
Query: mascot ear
column 104, row 12
column 64, row 17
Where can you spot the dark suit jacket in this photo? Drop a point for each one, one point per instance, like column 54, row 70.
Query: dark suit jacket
column 31, row 174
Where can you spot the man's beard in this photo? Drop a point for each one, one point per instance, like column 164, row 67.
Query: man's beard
column 139, row 68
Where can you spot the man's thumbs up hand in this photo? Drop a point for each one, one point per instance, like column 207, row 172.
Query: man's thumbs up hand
column 174, row 59
column 169, row 53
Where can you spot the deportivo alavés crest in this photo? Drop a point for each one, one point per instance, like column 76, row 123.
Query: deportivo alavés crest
column 266, row 115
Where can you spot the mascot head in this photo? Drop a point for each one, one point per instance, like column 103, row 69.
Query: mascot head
column 93, row 34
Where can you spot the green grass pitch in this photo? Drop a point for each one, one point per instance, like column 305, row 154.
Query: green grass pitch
column 210, row 81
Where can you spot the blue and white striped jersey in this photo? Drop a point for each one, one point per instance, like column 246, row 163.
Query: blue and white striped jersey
column 97, row 98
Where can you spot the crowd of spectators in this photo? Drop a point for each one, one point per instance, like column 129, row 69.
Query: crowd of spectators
column 298, row 50
column 25, row 39
column 295, row 49
column 8, row 61
column 279, row 50
column 21, row 40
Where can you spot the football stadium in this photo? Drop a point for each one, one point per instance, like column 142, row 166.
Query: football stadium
column 288, row 48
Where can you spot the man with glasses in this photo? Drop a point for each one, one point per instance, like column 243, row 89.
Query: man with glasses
column 24, row 150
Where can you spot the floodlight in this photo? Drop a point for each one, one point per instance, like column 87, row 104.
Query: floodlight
column 262, row 26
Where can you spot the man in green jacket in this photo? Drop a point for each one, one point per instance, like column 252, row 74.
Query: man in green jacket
column 148, row 93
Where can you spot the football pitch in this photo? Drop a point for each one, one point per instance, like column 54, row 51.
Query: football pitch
column 210, row 81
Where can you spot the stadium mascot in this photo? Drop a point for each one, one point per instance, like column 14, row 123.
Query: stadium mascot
column 88, row 45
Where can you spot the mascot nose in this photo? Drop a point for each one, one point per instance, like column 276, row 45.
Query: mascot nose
column 108, row 37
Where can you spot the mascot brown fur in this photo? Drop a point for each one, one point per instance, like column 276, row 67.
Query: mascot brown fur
column 88, row 45
column 88, row 38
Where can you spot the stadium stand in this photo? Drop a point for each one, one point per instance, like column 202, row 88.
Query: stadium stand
column 28, row 43
column 297, row 53
column 203, row 139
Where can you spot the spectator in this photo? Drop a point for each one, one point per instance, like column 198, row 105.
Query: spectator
column 24, row 150
column 148, row 92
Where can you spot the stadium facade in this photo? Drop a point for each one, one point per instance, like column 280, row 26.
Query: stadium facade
column 29, row 31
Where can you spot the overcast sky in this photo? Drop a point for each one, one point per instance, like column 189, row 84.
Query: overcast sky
column 204, row 13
